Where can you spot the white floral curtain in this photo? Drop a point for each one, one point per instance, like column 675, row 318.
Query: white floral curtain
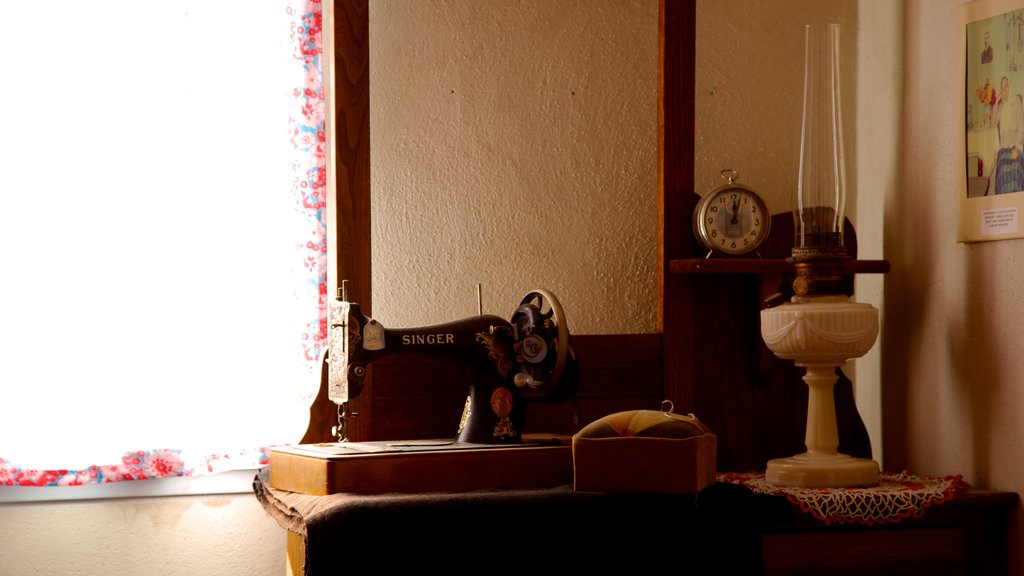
column 162, row 236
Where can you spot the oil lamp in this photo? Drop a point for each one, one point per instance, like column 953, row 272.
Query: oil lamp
column 820, row 328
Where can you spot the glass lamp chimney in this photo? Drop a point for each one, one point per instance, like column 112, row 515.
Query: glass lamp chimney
column 820, row 214
column 821, row 188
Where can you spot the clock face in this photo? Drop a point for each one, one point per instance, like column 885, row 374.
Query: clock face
column 732, row 220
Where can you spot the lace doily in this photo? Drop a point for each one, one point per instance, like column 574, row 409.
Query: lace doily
column 897, row 496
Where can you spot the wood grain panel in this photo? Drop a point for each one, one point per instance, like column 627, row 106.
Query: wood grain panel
column 346, row 61
column 676, row 200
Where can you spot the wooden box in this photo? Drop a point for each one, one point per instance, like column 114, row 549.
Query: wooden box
column 645, row 451
column 417, row 466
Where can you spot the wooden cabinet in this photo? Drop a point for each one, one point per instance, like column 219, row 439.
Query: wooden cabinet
column 726, row 529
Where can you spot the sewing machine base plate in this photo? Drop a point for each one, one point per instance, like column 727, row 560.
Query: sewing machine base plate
column 419, row 466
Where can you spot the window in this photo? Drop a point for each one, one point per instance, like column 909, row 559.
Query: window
column 162, row 252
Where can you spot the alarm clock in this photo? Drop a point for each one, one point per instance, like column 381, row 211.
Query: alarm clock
column 731, row 220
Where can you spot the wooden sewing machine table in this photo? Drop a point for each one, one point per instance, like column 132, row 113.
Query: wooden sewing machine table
column 506, row 531
column 725, row 529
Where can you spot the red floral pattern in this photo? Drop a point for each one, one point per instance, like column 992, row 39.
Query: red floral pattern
column 138, row 465
column 309, row 187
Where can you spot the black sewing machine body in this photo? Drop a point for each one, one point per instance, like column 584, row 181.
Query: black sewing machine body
column 508, row 363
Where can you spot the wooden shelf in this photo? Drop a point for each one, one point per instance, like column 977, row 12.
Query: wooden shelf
column 763, row 266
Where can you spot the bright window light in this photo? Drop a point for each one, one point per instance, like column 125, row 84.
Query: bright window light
column 161, row 240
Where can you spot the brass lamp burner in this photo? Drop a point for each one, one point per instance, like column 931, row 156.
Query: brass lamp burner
column 820, row 277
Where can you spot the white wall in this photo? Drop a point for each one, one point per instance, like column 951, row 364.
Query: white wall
column 879, row 63
column 953, row 394
column 217, row 534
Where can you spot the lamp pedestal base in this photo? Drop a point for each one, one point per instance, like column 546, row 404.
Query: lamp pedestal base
column 811, row 470
column 819, row 334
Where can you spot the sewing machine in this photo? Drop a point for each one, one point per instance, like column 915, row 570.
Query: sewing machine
column 508, row 364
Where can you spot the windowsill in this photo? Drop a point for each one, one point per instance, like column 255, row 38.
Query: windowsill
column 233, row 482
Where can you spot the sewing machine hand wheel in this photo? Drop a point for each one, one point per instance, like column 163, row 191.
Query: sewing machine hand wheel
column 541, row 342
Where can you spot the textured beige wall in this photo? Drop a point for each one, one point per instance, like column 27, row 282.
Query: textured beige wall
column 513, row 144
column 749, row 92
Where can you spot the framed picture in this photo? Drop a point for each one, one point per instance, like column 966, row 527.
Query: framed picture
column 991, row 195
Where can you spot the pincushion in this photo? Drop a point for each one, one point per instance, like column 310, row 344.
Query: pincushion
column 644, row 451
